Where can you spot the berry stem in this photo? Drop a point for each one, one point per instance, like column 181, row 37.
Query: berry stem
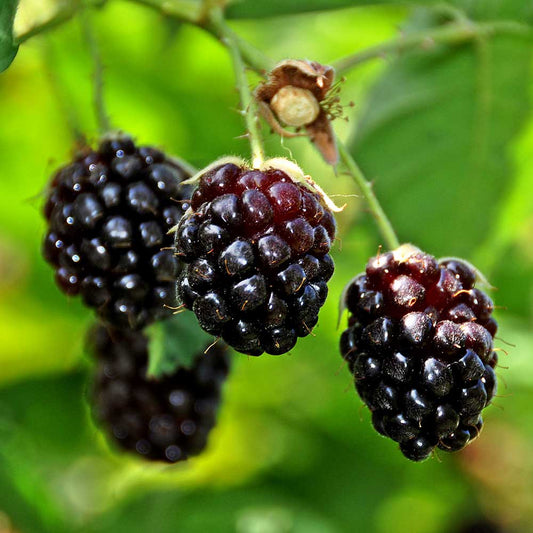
column 248, row 103
column 102, row 117
column 452, row 33
column 384, row 224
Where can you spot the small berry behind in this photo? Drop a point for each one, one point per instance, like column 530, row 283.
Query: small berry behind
column 167, row 419
column 420, row 347
column 256, row 244
column 108, row 215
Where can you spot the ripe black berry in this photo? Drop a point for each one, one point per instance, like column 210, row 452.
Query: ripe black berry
column 109, row 212
column 256, row 244
column 165, row 420
column 420, row 347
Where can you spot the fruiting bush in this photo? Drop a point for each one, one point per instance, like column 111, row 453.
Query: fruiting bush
column 246, row 248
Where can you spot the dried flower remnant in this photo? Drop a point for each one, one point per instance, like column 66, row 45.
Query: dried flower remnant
column 300, row 94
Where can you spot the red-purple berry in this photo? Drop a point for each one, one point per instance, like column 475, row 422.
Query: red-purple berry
column 257, row 246
column 420, row 347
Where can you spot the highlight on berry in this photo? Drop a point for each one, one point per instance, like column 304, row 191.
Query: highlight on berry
column 108, row 214
column 419, row 344
column 256, row 246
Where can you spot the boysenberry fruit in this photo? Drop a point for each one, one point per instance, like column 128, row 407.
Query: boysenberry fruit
column 420, row 347
column 108, row 215
column 256, row 244
column 165, row 420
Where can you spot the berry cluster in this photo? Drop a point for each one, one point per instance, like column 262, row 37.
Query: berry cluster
column 256, row 244
column 420, row 347
column 109, row 212
column 167, row 420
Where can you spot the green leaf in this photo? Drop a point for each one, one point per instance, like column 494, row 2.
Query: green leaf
column 435, row 134
column 174, row 343
column 272, row 8
column 8, row 48
column 497, row 9
column 37, row 452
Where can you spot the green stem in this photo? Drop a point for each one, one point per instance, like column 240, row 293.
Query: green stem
column 454, row 33
column 248, row 104
column 102, row 117
column 384, row 224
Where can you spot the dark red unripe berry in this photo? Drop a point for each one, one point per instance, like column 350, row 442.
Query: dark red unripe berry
column 420, row 347
column 257, row 246
column 168, row 419
column 108, row 215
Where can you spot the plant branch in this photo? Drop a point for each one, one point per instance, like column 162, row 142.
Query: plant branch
column 453, row 33
column 102, row 117
column 248, row 103
column 384, row 224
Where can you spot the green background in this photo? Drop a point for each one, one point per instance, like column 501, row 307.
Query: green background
column 445, row 133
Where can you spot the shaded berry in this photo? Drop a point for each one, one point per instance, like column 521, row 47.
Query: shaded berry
column 262, row 241
column 418, row 449
column 108, row 215
column 420, row 347
column 168, row 419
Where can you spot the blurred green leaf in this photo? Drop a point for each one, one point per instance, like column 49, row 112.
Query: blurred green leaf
column 263, row 509
column 272, row 8
column 435, row 134
column 38, row 451
column 8, row 48
column 174, row 343
column 497, row 9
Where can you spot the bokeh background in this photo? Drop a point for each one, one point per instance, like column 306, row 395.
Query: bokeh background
column 446, row 134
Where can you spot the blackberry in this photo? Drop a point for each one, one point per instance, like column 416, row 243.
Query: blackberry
column 256, row 244
column 108, row 215
column 420, row 347
column 164, row 420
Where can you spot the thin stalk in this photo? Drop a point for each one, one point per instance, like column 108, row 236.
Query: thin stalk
column 248, row 104
column 383, row 223
column 454, row 33
column 102, row 117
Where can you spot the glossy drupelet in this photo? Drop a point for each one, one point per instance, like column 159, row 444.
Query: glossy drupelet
column 165, row 420
column 420, row 347
column 108, row 215
column 256, row 244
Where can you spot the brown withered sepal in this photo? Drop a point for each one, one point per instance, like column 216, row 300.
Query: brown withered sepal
column 308, row 80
